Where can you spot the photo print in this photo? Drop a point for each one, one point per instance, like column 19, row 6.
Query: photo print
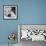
column 32, row 32
column 10, row 12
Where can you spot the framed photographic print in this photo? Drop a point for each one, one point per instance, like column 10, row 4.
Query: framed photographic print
column 10, row 11
column 32, row 32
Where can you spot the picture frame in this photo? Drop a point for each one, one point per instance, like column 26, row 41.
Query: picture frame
column 33, row 31
column 10, row 12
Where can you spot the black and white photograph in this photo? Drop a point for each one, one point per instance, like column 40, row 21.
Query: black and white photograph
column 10, row 12
column 31, row 34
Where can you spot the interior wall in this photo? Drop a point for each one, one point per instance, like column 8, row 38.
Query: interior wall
column 29, row 12
column 8, row 26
